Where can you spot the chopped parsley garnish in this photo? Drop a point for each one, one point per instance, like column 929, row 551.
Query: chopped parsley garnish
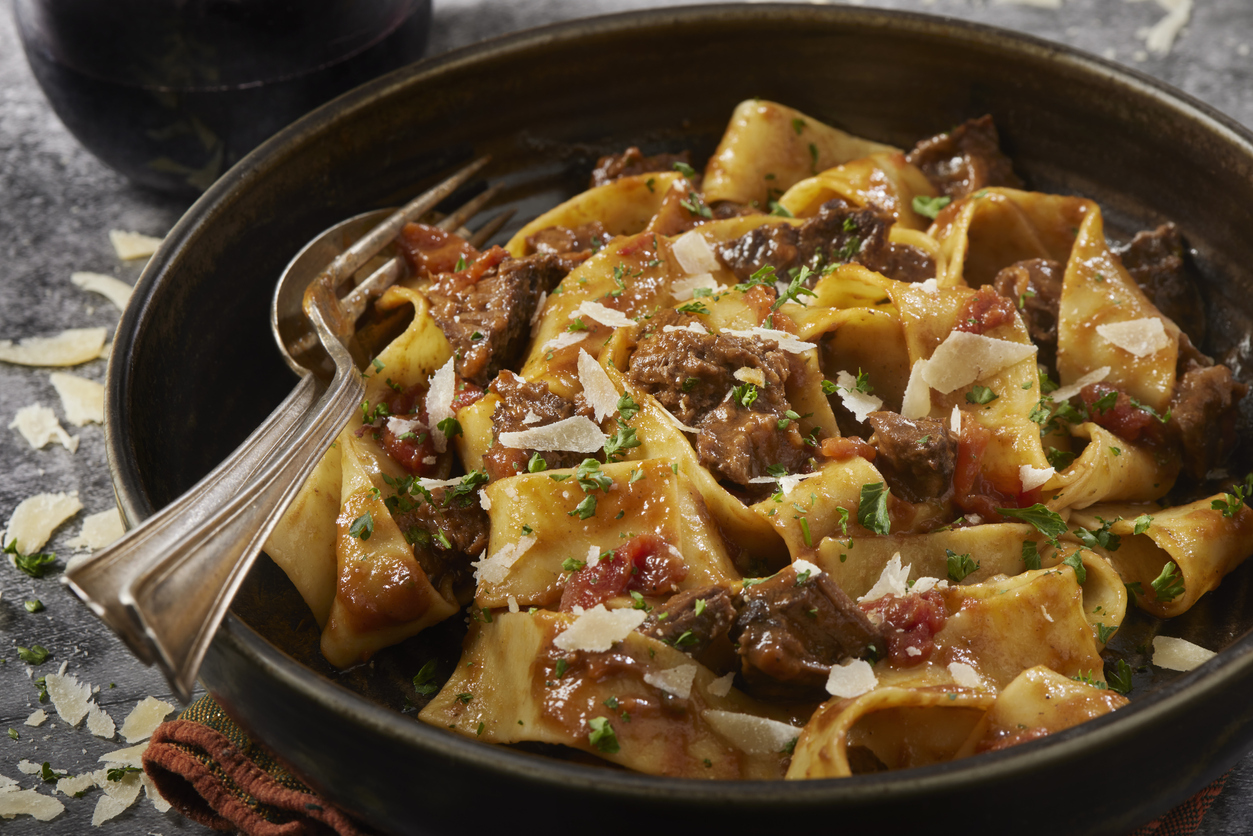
column 424, row 680
column 31, row 564
column 1049, row 523
column 960, row 565
column 51, row 776
column 1102, row 537
column 685, row 169
column 117, row 773
column 585, row 509
column 33, row 606
column 461, row 264
column 1120, row 679
column 1142, row 524
column 929, row 207
column 1106, row 402
column 693, row 307
column 1030, row 554
column 627, row 407
column 36, row 654
column 745, row 394
column 981, row 395
column 1074, row 561
column 795, row 289
column 763, row 277
column 602, row 735
column 572, row 564
column 536, row 464
column 778, row 209
column 1169, row 584
column 450, row 427
column 561, row 667
column 798, row 125
column 1105, row 632
column 362, row 527
column 577, row 324
column 872, row 509
column 12, row 733
column 1164, row 418
column 695, row 205
column 623, row 439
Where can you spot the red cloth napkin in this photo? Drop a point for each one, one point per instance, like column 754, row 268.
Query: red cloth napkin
column 211, row 772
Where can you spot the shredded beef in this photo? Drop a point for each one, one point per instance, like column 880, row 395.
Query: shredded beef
column 561, row 240
column 1035, row 286
column 790, row 632
column 839, row 233
column 965, row 159
column 456, row 520
column 916, row 456
column 1158, row 262
column 742, row 444
column 1204, row 413
column 488, row 320
column 685, row 628
column 518, row 398
column 631, row 162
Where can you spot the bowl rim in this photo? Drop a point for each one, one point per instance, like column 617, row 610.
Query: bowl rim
column 235, row 636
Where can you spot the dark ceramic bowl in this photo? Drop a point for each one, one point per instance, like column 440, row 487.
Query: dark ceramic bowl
column 194, row 371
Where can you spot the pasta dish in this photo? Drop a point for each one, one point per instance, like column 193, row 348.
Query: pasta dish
column 830, row 459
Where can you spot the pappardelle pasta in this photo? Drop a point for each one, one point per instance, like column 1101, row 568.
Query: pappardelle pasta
column 831, row 459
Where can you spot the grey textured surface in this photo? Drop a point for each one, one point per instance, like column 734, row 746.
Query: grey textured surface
column 57, row 204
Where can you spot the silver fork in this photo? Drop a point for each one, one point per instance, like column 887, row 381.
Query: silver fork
column 165, row 587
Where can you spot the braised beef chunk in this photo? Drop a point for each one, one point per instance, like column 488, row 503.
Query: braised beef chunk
column 518, row 399
column 447, row 533
column 965, row 159
column 560, row 240
column 1203, row 411
column 791, row 629
column 1157, row 261
column 723, row 209
column 693, row 618
column 430, row 250
column 488, row 320
column 1035, row 286
column 839, row 233
column 916, row 456
column 631, row 162
column 693, row 376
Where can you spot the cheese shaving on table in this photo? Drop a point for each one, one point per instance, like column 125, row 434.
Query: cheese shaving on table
column 1160, row 37
column 29, row 803
column 965, row 675
column 964, row 358
column 1065, row 393
column 39, row 426
column 597, row 387
column 604, row 315
column 144, row 719
column 36, row 517
column 1034, row 477
column 564, row 340
column 858, row 403
column 721, row 686
column 99, row 722
column 77, row 784
column 37, row 717
column 1179, row 654
column 916, row 402
column 82, row 399
column 71, row 698
column 1140, row 337
column 892, row 581
column 68, row 348
column 675, row 681
column 694, row 327
column 439, row 402
column 132, row 245
column 118, row 796
column 116, row 291
column 694, row 254
column 496, row 568
column 130, row 756
column 786, row 342
column 851, row 679
column 599, row 629
column 684, row 289
column 578, row 434
column 751, row 734
column 748, row 374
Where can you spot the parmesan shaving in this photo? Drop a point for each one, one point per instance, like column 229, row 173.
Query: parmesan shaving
column 675, row 681
column 68, row 348
column 694, row 327
column 858, row 403
column 77, row 784
column 751, row 734
column 37, row 717
column 512, row 601
column 485, row 501
column 1044, row 612
column 144, row 719
column 132, row 245
column 787, row 483
column 721, row 686
column 786, row 342
column 955, row 420
column 130, row 756
column 852, row 679
column 578, row 434
column 39, row 426
column 964, row 675
column 927, row 584
column 1179, row 654
column 964, row 358
column 916, row 402
column 1065, row 393
column 71, row 698
column 684, row 289
column 118, row 796
column 893, row 581
column 599, row 629
column 400, row 426
column 674, row 419
column 27, row 768
column 747, row 374
column 496, row 568
column 82, row 399
column 597, row 387
column 150, row 790
column 604, row 315
column 1140, row 337
column 694, row 254
column 802, row 566
column 117, row 292
column 564, row 339
column 29, row 803
column 439, row 402
column 531, row 417
column 99, row 722
column 1034, row 477
column 930, row 286
column 593, row 556
column 36, row 517
column 1160, row 37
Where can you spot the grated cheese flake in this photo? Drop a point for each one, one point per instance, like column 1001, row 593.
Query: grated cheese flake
column 927, row 584
column 485, row 501
column 802, row 566
column 694, row 254
column 564, row 340
column 684, row 289
column 77, row 784
column 675, row 681
column 747, row 374
column 597, row 387
column 37, row 717
column 71, row 698
column 964, row 358
column 578, row 434
column 787, row 483
column 751, row 734
column 1065, row 393
column 439, row 402
column 118, row 796
column 39, row 426
column 1034, row 477
column 593, row 556
column 1179, row 654
column 29, row 803
column 858, row 403
column 130, row 756
column 81, row 399
column 132, row 245
column 68, row 348
column 599, row 629
column 531, row 417
column 512, row 601
column 964, row 675
column 955, row 420
column 694, row 327
column 721, row 686
column 603, row 314
column 144, row 719
column 892, row 581
column 786, row 342
column 496, row 568
column 400, row 426
column 851, row 679
column 99, row 722
column 36, row 517
column 150, row 790
column 116, row 291
column 1140, row 337
column 916, row 402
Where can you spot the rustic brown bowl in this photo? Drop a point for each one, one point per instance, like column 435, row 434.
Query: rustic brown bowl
column 194, row 371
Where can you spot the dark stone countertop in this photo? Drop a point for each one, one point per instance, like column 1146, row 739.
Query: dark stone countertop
column 57, row 203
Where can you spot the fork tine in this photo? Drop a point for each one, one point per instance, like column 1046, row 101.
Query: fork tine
column 471, row 208
column 487, row 230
